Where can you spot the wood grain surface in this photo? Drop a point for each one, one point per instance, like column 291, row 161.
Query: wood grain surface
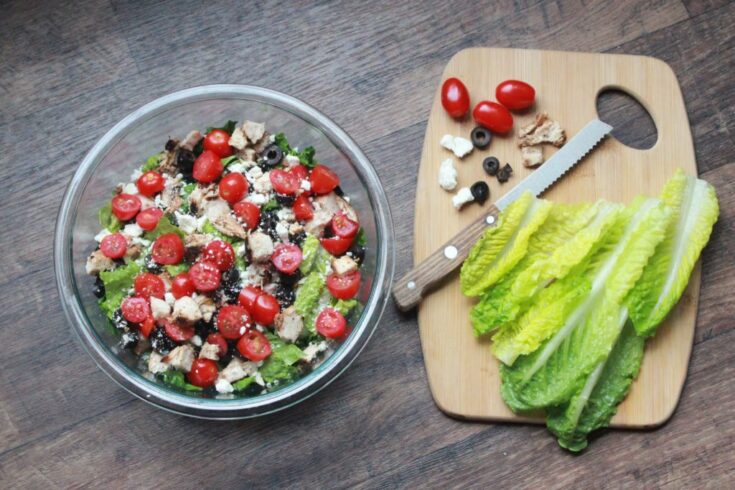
column 70, row 70
column 463, row 374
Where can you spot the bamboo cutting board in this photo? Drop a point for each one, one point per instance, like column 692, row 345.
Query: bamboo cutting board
column 462, row 373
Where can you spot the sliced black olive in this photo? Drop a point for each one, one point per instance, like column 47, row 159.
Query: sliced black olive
column 151, row 265
column 504, row 173
column 285, row 295
column 129, row 340
column 491, row 165
column 161, row 342
column 297, row 238
column 271, row 156
column 358, row 253
column 338, row 190
column 185, row 160
column 119, row 320
column 99, row 287
column 481, row 137
column 289, row 279
column 480, row 191
column 203, row 329
column 284, row 200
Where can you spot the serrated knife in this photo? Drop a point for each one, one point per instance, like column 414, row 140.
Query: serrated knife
column 411, row 288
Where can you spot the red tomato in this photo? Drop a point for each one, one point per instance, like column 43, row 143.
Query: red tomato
column 515, row 95
column 254, row 346
column 218, row 142
column 114, row 246
column 302, row 208
column 248, row 295
column 232, row 321
column 168, row 249
column 493, row 116
column 233, row 187
column 148, row 218
column 177, row 331
column 265, row 309
column 147, row 285
column 344, row 286
column 125, row 206
column 455, row 97
column 147, row 327
column 207, row 167
column 336, row 245
column 218, row 340
column 284, row 182
column 182, row 285
column 150, row 183
column 220, row 253
column 343, row 226
column 203, row 373
column 248, row 213
column 135, row 309
column 287, row 257
column 301, row 172
column 331, row 324
column 205, row 276
column 323, row 180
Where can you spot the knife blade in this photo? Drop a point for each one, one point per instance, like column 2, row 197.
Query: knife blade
column 410, row 289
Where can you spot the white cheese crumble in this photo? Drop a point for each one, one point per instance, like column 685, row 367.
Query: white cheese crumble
column 462, row 197
column 102, row 234
column 305, row 185
column 292, row 160
column 141, row 241
column 133, row 230
column 457, row 145
column 257, row 198
column 447, row 175
column 254, row 174
column 223, row 386
column 135, row 175
column 130, row 188
column 196, row 340
column 170, row 299
column 187, row 222
column 238, row 167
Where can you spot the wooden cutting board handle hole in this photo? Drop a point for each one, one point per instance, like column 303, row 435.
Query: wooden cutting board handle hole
column 620, row 109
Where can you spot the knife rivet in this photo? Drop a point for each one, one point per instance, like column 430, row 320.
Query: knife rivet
column 450, row 252
column 490, row 219
column 411, row 285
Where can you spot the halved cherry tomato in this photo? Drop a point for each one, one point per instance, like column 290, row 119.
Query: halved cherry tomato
column 168, row 249
column 301, row 172
column 248, row 213
column 205, row 276
column 207, row 167
column 203, row 373
column 233, row 187
column 455, row 97
column 323, row 180
column 330, row 323
column 148, row 218
column 265, row 309
column 287, row 257
column 248, row 295
column 147, row 285
column 344, row 286
column 283, row 182
column 218, row 142
column 177, row 331
column 254, row 346
column 125, row 206
column 135, row 309
column 302, row 208
column 182, row 285
column 150, row 183
column 220, row 253
column 218, row 340
column 343, row 226
column 147, row 326
column 515, row 94
column 114, row 246
column 336, row 245
column 493, row 116
column 233, row 321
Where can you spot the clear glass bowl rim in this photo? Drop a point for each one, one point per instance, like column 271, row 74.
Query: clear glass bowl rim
column 237, row 408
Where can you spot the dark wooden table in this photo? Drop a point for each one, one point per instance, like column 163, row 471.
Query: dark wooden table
column 70, row 70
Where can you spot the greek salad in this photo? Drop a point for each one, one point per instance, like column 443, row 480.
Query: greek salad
column 230, row 263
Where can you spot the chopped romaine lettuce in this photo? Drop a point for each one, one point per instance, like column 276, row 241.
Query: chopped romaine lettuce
column 243, row 384
column 271, row 205
column 344, row 306
column 175, row 270
column 152, row 162
column 228, row 127
column 117, row 283
column 176, row 378
column 108, row 220
column 209, row 229
column 164, row 226
column 305, row 156
column 315, row 258
column 308, row 297
column 228, row 160
column 280, row 365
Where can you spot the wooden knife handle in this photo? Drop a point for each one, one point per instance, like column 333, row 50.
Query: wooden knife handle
column 413, row 286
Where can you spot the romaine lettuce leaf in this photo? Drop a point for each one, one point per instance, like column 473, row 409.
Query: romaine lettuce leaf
column 280, row 365
column 163, row 227
column 595, row 404
column 501, row 247
column 609, row 272
column 117, row 283
column 308, row 296
column 108, row 220
column 695, row 208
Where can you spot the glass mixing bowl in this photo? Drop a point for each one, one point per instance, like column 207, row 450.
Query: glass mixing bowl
column 143, row 133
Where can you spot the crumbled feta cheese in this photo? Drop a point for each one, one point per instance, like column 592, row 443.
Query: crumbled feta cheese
column 140, row 241
column 130, row 188
column 256, row 198
column 201, row 221
column 259, row 379
column 282, row 231
column 462, row 197
column 237, row 167
column 223, row 386
column 133, row 230
column 102, row 234
column 169, row 298
column 447, row 142
column 313, row 349
column 292, row 160
column 254, row 174
column 447, row 175
column 241, row 249
column 135, row 175
column 187, row 222
column 457, row 145
column 305, row 185
column 196, row 340
column 286, row 214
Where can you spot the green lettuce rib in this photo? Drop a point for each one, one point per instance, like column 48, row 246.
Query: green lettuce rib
column 550, row 375
column 595, row 404
column 501, row 247
column 695, row 208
